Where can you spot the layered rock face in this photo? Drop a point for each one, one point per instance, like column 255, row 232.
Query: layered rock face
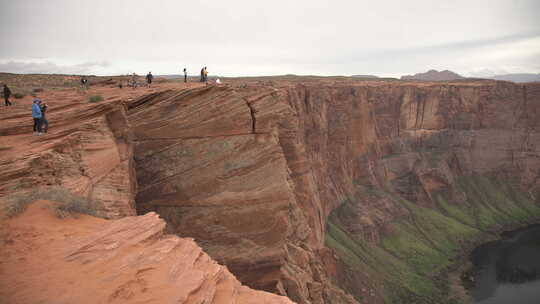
column 265, row 177
column 324, row 191
column 227, row 167
column 88, row 151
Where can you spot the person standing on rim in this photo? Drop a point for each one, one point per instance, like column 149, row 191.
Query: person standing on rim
column 36, row 115
column 44, row 121
column 84, row 82
column 202, row 74
column 185, row 75
column 134, row 80
column 206, row 75
column 149, row 78
column 7, row 93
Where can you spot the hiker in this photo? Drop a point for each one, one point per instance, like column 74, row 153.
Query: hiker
column 44, row 121
column 134, row 80
column 84, row 82
column 185, row 75
column 202, row 75
column 206, row 75
column 149, row 78
column 36, row 115
column 7, row 93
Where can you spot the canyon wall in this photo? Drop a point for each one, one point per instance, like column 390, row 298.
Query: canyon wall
column 323, row 190
column 309, row 189
column 87, row 155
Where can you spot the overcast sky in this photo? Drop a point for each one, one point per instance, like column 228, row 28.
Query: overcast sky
column 249, row 37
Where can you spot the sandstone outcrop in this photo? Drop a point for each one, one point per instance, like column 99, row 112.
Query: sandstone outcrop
column 87, row 151
column 129, row 260
column 253, row 172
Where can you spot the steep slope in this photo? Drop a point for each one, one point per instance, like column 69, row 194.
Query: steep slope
column 404, row 172
column 90, row 260
column 324, row 190
column 88, row 154
column 213, row 162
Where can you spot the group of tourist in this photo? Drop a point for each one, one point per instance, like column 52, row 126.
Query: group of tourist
column 204, row 75
column 41, row 124
column 149, row 78
column 135, row 84
column 39, row 108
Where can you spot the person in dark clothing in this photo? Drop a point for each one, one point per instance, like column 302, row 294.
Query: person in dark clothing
column 202, row 75
column 36, row 115
column 7, row 93
column 149, row 78
column 44, row 121
column 185, row 75
column 84, row 82
column 134, row 80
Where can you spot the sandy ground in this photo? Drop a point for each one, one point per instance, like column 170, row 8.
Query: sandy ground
column 44, row 259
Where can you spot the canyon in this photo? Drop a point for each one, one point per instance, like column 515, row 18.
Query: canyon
column 324, row 190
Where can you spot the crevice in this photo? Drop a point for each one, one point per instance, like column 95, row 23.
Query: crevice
column 252, row 113
column 195, row 137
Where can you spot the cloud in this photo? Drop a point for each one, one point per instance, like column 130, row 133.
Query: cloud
column 240, row 37
column 49, row 67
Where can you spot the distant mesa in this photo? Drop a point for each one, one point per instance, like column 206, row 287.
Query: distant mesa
column 364, row 76
column 520, row 78
column 434, row 75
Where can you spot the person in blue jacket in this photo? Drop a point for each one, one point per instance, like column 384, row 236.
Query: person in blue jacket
column 36, row 115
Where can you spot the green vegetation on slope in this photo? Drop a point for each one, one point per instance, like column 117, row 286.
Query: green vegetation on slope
column 409, row 261
column 64, row 203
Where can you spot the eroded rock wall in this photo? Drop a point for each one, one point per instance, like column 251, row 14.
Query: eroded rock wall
column 88, row 151
column 254, row 174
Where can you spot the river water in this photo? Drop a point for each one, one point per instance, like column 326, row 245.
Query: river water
column 508, row 271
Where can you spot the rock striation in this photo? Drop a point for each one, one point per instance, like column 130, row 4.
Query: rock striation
column 88, row 151
column 260, row 175
column 322, row 190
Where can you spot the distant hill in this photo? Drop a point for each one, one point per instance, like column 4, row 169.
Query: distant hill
column 525, row 77
column 171, row 76
column 364, row 76
column 434, row 75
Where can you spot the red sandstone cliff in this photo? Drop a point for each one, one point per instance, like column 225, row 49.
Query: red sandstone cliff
column 89, row 152
column 253, row 172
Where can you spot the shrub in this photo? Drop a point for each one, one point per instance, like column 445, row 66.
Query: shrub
column 96, row 98
column 17, row 205
column 64, row 203
column 18, row 95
